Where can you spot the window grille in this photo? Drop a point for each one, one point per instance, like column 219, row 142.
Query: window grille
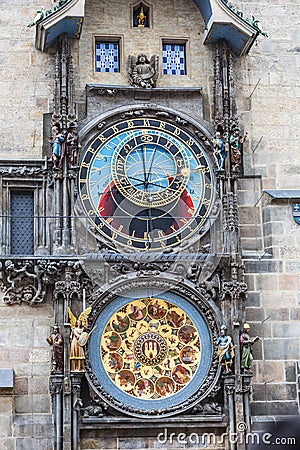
column 107, row 57
column 174, row 59
column 22, row 223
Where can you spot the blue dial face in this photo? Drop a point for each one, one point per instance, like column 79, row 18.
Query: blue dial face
column 146, row 184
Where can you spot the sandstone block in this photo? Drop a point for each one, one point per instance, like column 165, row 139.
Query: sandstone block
column 290, row 371
column 273, row 392
column 264, row 371
column 5, row 426
column 284, row 349
column 283, row 408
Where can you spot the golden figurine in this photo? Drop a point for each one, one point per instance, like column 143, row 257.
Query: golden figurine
column 78, row 327
column 141, row 18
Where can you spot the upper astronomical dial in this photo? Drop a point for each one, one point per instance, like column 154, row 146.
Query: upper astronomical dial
column 146, row 184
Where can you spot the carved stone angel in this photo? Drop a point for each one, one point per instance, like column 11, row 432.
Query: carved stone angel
column 142, row 72
column 78, row 327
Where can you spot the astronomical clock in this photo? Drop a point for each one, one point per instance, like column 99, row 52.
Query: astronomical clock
column 128, row 220
column 148, row 198
column 146, row 184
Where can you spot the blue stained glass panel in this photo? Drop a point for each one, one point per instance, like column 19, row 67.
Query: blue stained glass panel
column 174, row 60
column 107, row 57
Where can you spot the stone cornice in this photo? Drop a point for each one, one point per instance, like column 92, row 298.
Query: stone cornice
column 254, row 23
column 67, row 18
column 228, row 24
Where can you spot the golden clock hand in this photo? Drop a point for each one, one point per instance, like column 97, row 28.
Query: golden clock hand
column 151, row 164
column 144, row 149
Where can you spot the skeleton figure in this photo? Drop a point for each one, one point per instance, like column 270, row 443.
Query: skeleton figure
column 219, row 151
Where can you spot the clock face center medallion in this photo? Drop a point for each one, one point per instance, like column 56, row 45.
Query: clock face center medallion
column 150, row 348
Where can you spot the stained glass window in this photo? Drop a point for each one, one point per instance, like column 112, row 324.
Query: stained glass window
column 22, row 223
column 174, row 59
column 107, row 57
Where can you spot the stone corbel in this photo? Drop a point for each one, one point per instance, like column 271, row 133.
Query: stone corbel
column 23, row 281
column 233, row 289
column 27, row 281
column 97, row 408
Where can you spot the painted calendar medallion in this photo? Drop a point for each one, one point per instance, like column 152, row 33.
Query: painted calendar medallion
column 134, row 346
column 152, row 350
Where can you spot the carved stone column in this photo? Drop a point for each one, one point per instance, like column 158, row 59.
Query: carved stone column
column 67, row 414
column 76, row 404
column 246, row 384
column 63, row 115
column 56, row 390
column 230, row 222
column 229, row 386
column 225, row 113
column 234, row 290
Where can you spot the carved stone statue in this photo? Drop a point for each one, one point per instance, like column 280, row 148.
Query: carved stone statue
column 22, row 282
column 246, row 349
column 236, row 141
column 56, row 142
column 78, row 339
column 219, row 151
column 73, row 146
column 57, row 341
column 208, row 408
column 142, row 72
column 225, row 350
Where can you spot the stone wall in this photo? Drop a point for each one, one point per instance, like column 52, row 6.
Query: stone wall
column 272, row 274
column 26, row 82
column 26, row 413
column 170, row 436
column 171, row 19
column 268, row 92
column 270, row 243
